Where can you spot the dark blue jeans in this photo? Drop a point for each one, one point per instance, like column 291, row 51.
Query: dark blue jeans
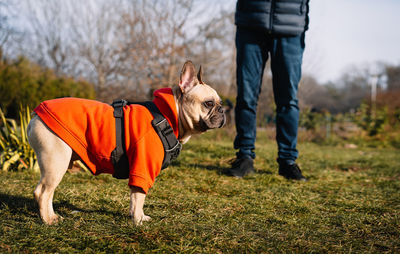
column 253, row 47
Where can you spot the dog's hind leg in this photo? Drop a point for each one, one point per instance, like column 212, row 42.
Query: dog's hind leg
column 53, row 156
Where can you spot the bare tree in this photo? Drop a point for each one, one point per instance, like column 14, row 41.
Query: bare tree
column 214, row 47
column 5, row 28
column 95, row 44
column 128, row 46
column 168, row 36
column 315, row 96
column 393, row 77
column 47, row 33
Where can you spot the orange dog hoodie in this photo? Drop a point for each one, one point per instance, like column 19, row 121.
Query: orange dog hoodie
column 88, row 127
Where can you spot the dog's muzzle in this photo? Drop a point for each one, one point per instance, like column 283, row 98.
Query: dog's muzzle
column 223, row 122
column 221, row 110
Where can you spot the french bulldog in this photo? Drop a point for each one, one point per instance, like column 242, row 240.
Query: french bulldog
column 198, row 108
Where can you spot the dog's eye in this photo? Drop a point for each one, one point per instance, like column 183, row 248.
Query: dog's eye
column 209, row 104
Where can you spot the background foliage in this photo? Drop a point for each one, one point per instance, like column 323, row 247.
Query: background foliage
column 23, row 82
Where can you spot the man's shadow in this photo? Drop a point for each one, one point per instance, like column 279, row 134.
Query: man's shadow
column 221, row 170
column 216, row 168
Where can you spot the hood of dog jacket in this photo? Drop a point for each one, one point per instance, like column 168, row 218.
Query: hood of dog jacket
column 88, row 127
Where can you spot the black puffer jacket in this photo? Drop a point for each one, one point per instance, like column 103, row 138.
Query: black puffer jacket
column 283, row 17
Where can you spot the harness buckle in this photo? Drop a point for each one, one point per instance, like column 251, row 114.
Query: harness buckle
column 175, row 151
column 118, row 105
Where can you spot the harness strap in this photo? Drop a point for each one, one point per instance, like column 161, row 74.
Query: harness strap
column 118, row 155
column 172, row 146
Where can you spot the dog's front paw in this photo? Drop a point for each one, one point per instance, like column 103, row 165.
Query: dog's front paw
column 138, row 220
column 53, row 220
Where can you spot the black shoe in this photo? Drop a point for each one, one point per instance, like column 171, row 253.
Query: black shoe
column 291, row 171
column 241, row 167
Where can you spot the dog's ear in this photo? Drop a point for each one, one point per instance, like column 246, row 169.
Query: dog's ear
column 199, row 74
column 187, row 79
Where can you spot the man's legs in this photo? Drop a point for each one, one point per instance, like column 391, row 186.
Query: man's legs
column 251, row 58
column 286, row 60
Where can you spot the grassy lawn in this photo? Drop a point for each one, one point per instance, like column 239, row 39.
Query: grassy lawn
column 351, row 203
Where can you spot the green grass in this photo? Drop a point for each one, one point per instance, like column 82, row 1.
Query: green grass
column 351, row 203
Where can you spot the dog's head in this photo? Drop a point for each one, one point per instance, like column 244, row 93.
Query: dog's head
column 199, row 105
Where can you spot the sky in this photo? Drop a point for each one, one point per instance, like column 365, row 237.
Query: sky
column 351, row 33
column 345, row 34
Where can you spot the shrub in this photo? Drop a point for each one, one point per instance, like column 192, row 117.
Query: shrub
column 25, row 83
column 372, row 122
column 15, row 151
column 311, row 120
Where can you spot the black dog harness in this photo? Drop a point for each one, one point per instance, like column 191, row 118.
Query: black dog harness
column 172, row 147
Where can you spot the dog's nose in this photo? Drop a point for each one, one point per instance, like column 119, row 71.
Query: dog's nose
column 221, row 109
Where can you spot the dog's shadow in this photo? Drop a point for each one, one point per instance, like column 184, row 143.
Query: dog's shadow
column 17, row 204
column 28, row 207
